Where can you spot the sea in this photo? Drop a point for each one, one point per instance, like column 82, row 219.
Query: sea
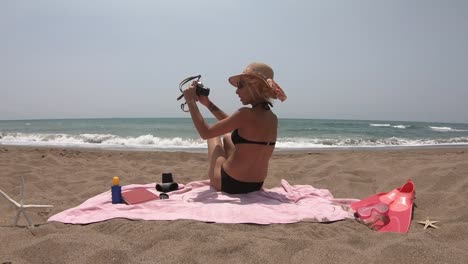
column 173, row 134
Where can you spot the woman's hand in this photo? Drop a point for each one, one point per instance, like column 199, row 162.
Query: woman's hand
column 190, row 93
column 204, row 100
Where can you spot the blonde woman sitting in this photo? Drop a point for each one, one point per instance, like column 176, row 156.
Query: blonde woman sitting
column 239, row 163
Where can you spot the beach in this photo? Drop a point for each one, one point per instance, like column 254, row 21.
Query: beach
column 66, row 177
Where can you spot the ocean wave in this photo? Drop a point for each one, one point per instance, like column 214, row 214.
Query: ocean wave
column 153, row 142
column 359, row 142
column 99, row 140
column 401, row 126
column 380, row 125
column 390, row 125
column 446, row 129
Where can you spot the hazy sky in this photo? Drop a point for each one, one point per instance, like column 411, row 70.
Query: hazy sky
column 378, row 60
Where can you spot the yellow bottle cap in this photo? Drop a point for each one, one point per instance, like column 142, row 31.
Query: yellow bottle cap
column 115, row 180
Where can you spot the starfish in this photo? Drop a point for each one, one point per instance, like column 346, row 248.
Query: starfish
column 21, row 206
column 428, row 223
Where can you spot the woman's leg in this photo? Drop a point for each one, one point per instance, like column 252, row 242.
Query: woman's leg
column 228, row 145
column 216, row 158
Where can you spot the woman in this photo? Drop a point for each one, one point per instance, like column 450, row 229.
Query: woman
column 239, row 164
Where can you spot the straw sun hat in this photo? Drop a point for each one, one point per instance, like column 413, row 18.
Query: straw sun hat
column 264, row 73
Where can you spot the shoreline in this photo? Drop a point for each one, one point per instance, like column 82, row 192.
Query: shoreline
column 277, row 150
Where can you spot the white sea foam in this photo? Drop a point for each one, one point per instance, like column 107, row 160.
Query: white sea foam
column 295, row 143
column 447, row 129
column 390, row 125
column 380, row 125
column 401, row 126
column 153, row 142
column 99, row 140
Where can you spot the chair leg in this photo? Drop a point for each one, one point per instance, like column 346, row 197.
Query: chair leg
column 27, row 218
column 17, row 216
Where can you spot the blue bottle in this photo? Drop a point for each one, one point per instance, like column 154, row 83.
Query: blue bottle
column 116, row 190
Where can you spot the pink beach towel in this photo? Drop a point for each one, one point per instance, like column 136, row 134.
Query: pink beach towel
column 198, row 201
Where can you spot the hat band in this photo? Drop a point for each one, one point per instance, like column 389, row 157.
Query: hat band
column 253, row 71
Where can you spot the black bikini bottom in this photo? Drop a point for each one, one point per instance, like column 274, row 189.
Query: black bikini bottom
column 233, row 186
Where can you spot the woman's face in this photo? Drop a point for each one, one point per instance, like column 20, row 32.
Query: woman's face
column 244, row 91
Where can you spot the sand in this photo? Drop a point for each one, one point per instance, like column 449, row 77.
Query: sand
column 67, row 177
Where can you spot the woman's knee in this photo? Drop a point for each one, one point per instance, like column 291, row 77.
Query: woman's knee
column 215, row 148
column 213, row 143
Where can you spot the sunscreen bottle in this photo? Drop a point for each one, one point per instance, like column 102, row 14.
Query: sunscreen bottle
column 116, row 190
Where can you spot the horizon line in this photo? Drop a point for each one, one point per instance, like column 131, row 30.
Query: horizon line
column 289, row 118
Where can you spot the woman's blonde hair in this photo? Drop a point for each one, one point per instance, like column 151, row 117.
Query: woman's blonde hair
column 258, row 88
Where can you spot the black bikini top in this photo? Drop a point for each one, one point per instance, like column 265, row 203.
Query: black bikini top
column 237, row 139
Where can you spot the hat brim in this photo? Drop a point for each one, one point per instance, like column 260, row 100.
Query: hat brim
column 234, row 80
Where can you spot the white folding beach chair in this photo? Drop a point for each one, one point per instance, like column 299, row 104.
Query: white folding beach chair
column 21, row 207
